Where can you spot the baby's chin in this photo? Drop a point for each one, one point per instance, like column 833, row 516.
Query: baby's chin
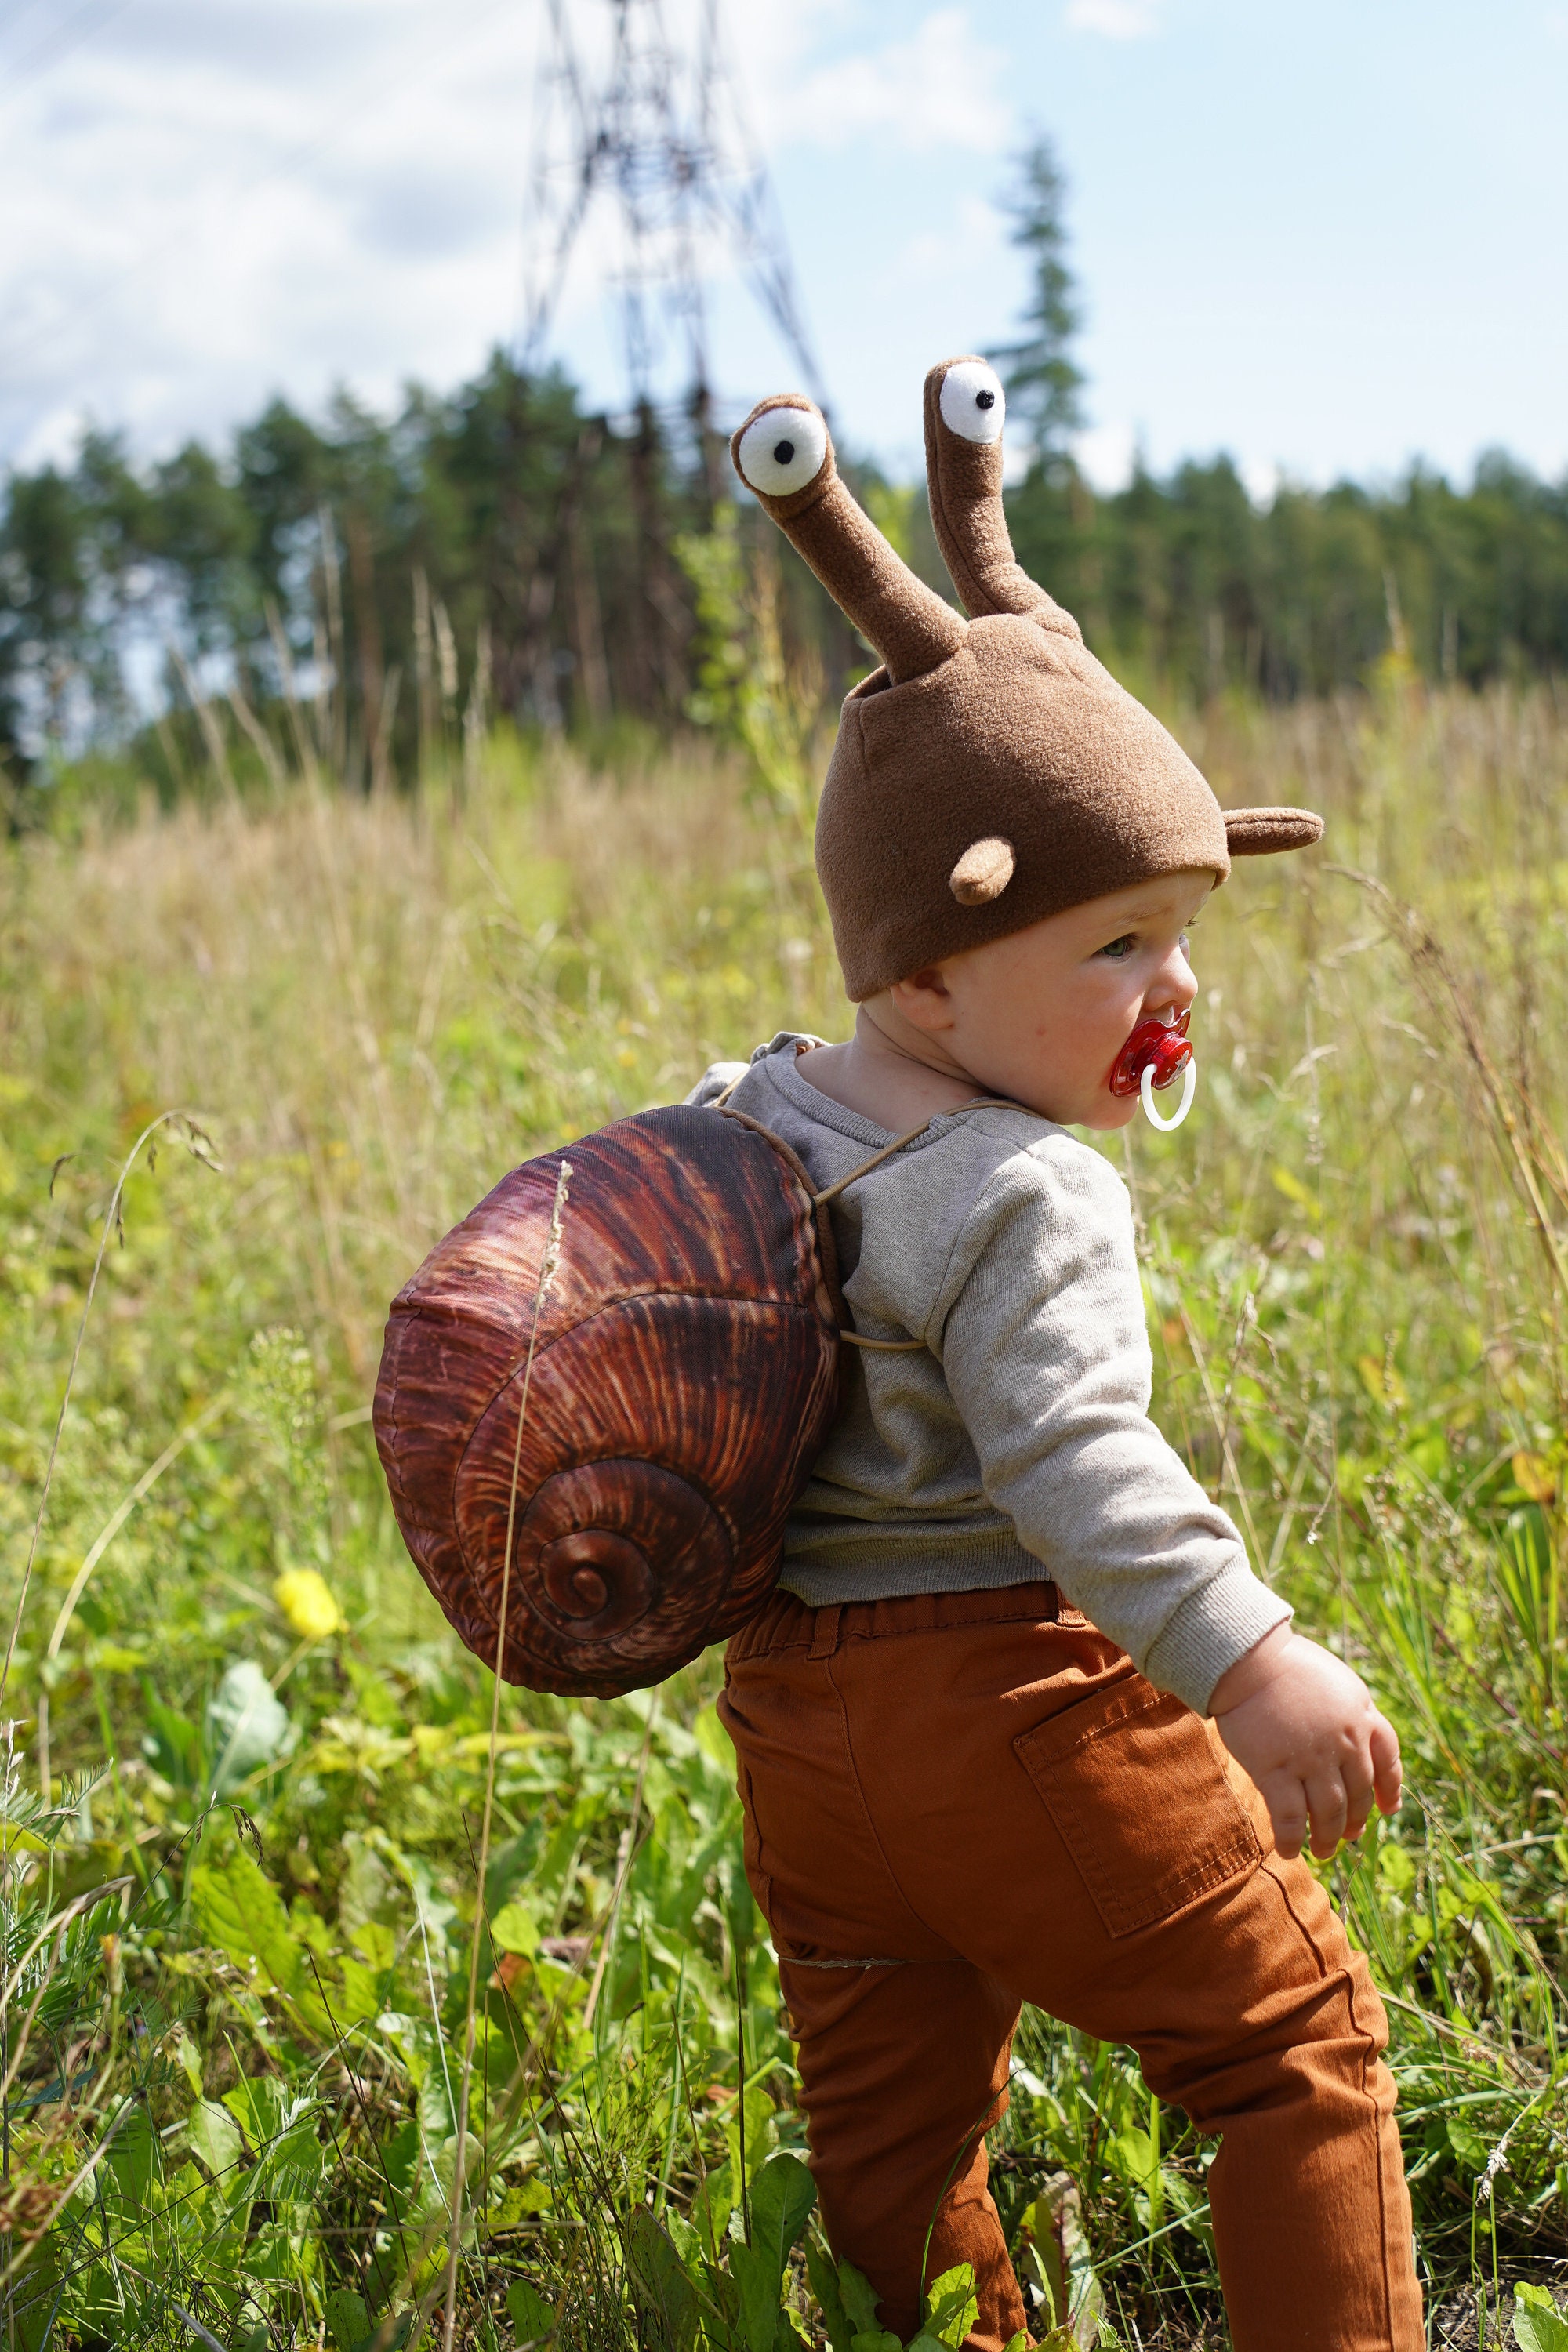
column 1107, row 1112
column 1101, row 1110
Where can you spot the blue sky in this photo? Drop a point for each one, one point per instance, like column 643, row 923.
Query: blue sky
column 1327, row 239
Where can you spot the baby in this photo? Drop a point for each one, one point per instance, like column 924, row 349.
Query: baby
column 970, row 1725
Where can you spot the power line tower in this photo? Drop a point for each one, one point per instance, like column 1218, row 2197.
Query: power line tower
column 661, row 132
column 641, row 154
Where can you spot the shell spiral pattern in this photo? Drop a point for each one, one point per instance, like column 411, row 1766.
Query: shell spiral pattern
column 685, row 1376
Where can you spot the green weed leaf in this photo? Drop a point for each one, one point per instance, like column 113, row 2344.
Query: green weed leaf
column 830, row 2302
column 1538, row 2324
column 529, row 2314
column 240, row 1910
column 860, row 2299
column 758, row 2281
column 348, row 2321
column 781, row 2199
column 663, row 2291
column 951, row 2306
column 214, row 2136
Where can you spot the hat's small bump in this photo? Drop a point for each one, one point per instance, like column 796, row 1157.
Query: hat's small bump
column 974, row 404
column 782, row 449
column 983, row 871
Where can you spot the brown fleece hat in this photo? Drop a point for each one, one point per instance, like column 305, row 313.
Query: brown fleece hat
column 991, row 771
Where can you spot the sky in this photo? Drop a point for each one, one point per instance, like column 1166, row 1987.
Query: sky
column 1327, row 239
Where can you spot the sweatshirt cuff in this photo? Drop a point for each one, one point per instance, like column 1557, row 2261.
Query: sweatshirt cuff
column 1211, row 1629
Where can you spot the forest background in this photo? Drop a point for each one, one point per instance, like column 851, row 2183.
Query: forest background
column 522, row 553
column 390, row 801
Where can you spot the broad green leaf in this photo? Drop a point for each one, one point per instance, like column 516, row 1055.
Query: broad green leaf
column 248, row 1725
column 879, row 2340
column 860, row 2299
column 528, row 2313
column 830, row 2302
column 686, row 2244
column 1538, row 2324
column 514, row 1928
column 291, row 2171
column 711, row 2208
column 239, row 1909
column 761, row 2130
column 134, row 2156
column 35, row 2296
column 782, row 2198
column 348, row 2321
column 214, row 2136
column 951, row 2305
column 361, row 1995
column 663, row 2291
column 375, row 1942
column 758, row 2279
column 263, row 2108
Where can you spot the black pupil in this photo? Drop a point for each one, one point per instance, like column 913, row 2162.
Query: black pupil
column 782, row 451
column 985, row 399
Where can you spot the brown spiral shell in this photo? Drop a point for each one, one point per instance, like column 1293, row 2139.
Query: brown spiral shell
column 685, row 1376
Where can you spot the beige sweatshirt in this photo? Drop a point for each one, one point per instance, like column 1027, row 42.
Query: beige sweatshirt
column 1017, row 1440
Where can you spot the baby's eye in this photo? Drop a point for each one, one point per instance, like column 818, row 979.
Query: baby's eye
column 1119, row 950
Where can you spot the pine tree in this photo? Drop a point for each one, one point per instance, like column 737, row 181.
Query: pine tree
column 1042, row 380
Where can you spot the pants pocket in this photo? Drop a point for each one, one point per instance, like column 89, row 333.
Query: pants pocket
column 1141, row 1802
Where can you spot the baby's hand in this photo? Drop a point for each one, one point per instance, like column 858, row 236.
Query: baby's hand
column 1304, row 1726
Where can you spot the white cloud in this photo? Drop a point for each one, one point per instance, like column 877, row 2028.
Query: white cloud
column 1106, row 454
column 1260, row 478
column 1117, row 20
column 974, row 232
column 938, row 89
column 210, row 201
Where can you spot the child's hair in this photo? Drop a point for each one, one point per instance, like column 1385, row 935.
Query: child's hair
column 991, row 771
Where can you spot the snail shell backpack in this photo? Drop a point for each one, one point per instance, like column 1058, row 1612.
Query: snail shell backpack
column 681, row 1369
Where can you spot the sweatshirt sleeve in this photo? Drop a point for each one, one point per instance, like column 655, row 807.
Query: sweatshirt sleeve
column 713, row 1083
column 1039, row 1325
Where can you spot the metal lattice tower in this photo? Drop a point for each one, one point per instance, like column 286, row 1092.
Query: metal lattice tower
column 658, row 137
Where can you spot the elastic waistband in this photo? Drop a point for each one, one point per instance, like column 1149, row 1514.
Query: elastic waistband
column 785, row 1622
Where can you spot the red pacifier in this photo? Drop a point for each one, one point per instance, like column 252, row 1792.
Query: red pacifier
column 1157, row 1054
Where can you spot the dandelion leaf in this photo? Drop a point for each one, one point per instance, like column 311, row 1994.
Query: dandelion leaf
column 1538, row 2324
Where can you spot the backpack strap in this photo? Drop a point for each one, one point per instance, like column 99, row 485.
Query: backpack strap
column 831, row 1191
column 822, row 1200
column 982, row 1102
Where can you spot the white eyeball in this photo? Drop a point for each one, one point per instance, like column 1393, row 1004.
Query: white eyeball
column 974, row 404
column 782, row 449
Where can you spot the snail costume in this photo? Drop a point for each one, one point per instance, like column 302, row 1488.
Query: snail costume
column 876, row 1407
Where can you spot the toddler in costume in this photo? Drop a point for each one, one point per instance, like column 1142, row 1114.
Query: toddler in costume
column 971, row 1724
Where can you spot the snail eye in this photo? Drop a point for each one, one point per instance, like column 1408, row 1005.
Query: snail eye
column 974, row 404
column 782, row 450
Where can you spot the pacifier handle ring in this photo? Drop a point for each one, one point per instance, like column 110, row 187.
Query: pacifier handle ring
column 1146, row 1089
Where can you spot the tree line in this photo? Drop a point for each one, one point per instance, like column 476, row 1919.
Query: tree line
column 505, row 550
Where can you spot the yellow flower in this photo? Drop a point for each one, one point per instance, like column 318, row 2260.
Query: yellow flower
column 306, row 1599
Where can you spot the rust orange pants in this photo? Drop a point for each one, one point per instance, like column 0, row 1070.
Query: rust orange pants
column 962, row 1802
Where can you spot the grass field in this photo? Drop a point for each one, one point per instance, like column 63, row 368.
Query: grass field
column 259, row 1053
